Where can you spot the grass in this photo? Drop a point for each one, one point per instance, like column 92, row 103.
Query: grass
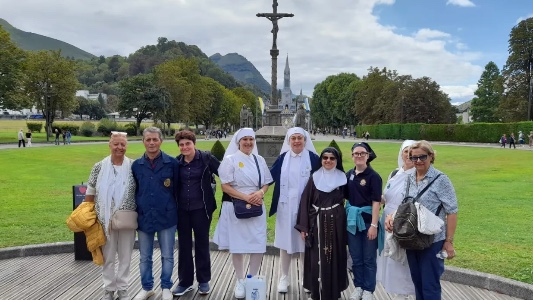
column 493, row 187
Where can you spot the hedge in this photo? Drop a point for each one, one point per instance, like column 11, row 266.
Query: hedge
column 470, row 132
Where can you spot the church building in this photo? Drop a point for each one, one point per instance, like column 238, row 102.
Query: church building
column 286, row 101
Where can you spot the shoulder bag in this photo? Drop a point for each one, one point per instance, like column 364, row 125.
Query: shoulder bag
column 245, row 210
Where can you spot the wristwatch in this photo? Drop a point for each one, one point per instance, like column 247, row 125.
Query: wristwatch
column 374, row 225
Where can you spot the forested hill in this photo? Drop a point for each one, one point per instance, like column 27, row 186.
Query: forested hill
column 32, row 41
column 242, row 69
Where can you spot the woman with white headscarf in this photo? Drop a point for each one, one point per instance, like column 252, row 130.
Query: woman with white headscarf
column 394, row 276
column 291, row 171
column 322, row 224
column 240, row 179
column 111, row 187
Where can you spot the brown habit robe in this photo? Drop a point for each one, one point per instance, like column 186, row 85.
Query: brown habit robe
column 333, row 237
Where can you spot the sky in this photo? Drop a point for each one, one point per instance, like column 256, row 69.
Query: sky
column 449, row 41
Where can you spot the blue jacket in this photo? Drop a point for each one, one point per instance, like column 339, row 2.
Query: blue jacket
column 275, row 171
column 156, row 192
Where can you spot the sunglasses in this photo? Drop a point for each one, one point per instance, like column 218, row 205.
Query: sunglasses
column 119, row 133
column 421, row 158
column 359, row 154
column 332, row 158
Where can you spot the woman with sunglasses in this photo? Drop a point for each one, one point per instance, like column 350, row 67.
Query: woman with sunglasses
column 111, row 187
column 362, row 210
column 426, row 268
column 395, row 276
column 321, row 222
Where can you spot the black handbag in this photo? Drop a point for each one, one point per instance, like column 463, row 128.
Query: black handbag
column 245, row 210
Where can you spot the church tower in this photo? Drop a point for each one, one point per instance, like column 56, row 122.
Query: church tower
column 286, row 93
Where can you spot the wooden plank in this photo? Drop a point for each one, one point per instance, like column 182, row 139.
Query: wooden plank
column 61, row 277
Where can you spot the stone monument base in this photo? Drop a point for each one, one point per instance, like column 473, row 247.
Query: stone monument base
column 269, row 140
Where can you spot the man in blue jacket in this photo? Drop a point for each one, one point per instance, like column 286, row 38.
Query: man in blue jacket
column 156, row 176
column 196, row 203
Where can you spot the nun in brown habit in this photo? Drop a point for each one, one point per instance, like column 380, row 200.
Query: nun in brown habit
column 322, row 223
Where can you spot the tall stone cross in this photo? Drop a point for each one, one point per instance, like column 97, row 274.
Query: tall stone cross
column 274, row 52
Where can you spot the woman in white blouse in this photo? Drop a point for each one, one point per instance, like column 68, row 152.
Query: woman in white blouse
column 239, row 177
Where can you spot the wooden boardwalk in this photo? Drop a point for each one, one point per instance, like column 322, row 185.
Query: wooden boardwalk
column 61, row 277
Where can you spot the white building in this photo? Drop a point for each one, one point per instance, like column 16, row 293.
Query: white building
column 85, row 94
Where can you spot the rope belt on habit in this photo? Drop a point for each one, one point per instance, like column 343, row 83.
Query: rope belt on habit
column 325, row 208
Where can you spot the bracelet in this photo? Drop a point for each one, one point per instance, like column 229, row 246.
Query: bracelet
column 374, row 225
column 262, row 191
column 449, row 240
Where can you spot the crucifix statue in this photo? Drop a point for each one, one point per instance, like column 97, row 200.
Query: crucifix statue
column 274, row 52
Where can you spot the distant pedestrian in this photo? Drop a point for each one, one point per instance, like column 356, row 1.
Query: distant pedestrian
column 69, row 136
column 367, row 135
column 21, row 139
column 503, row 140
column 56, row 141
column 64, row 135
column 521, row 139
column 511, row 141
column 28, row 137
column 530, row 139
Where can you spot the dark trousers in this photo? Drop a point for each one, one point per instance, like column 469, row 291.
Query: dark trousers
column 197, row 221
column 23, row 142
column 363, row 253
column 426, row 270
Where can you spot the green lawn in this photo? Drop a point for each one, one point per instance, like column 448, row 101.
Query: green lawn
column 494, row 188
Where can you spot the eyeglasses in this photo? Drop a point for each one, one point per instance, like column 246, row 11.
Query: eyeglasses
column 119, row 133
column 332, row 158
column 359, row 154
column 421, row 157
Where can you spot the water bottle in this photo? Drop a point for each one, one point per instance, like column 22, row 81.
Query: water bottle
column 255, row 287
column 442, row 254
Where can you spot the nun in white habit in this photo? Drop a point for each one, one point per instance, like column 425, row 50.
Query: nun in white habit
column 239, row 178
column 291, row 171
column 393, row 275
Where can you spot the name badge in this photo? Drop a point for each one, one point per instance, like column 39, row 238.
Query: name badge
column 352, row 177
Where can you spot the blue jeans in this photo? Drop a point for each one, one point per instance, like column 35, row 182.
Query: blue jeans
column 363, row 252
column 426, row 270
column 167, row 239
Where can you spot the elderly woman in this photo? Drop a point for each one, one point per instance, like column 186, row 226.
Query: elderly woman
column 426, row 268
column 112, row 187
column 243, row 175
column 394, row 276
column 362, row 209
column 322, row 223
column 291, row 171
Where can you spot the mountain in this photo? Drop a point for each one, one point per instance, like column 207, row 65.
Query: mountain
column 34, row 42
column 242, row 69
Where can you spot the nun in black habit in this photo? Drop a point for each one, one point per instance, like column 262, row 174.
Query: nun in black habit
column 322, row 223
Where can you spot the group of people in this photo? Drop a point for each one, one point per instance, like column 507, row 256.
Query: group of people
column 66, row 134
column 319, row 209
column 511, row 140
column 23, row 138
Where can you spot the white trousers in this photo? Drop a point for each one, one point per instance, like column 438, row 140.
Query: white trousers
column 119, row 242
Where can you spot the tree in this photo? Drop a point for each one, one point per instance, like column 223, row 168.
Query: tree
column 11, row 73
column 140, row 98
column 51, row 83
column 489, row 91
column 516, row 104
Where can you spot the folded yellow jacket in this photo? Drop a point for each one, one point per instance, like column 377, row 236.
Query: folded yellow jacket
column 83, row 218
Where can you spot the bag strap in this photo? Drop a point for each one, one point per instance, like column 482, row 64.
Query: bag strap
column 423, row 191
column 258, row 170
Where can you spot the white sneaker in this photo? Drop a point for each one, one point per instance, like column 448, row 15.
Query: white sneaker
column 357, row 294
column 167, row 295
column 123, row 295
column 368, row 295
column 283, row 285
column 144, row 294
column 240, row 291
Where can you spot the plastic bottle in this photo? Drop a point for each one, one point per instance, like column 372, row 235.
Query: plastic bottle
column 255, row 287
column 442, row 254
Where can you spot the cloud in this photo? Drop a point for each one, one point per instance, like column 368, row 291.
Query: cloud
column 323, row 38
column 462, row 3
column 460, row 93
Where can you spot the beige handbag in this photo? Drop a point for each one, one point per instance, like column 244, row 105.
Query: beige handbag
column 124, row 219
